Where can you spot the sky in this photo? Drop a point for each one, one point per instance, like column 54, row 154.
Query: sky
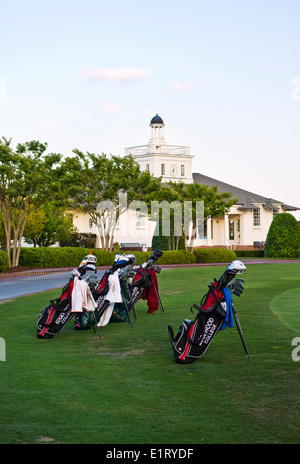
column 224, row 75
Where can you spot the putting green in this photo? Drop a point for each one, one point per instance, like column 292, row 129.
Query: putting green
column 286, row 306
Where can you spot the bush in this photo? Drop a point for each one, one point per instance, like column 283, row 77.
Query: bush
column 283, row 239
column 3, row 261
column 214, row 255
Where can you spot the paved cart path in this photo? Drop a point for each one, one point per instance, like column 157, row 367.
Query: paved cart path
column 20, row 285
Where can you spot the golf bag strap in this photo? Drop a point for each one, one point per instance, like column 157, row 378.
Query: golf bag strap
column 212, row 291
column 200, row 309
column 56, row 301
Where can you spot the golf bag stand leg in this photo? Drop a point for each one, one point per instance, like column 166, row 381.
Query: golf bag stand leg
column 239, row 328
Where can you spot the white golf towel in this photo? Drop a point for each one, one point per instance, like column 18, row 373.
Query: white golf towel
column 104, row 319
column 82, row 297
column 114, row 293
column 113, row 296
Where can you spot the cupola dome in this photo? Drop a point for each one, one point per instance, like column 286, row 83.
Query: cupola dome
column 156, row 120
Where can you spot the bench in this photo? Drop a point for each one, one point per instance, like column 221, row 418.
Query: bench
column 259, row 245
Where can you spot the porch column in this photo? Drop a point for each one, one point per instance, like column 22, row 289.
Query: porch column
column 208, row 231
column 226, row 230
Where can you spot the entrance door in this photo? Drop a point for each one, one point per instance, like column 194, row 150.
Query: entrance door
column 231, row 230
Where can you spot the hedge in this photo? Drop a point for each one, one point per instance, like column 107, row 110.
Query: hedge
column 41, row 257
column 177, row 257
column 44, row 257
column 58, row 257
column 3, row 261
column 250, row 253
column 214, row 255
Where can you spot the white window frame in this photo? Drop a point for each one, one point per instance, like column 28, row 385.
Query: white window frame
column 256, row 217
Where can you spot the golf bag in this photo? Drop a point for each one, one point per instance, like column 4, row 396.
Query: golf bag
column 144, row 284
column 60, row 311
column 112, row 290
column 216, row 312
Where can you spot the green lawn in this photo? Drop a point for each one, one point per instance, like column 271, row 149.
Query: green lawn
column 126, row 388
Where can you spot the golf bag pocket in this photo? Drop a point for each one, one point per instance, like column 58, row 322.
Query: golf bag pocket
column 51, row 321
column 194, row 337
column 86, row 319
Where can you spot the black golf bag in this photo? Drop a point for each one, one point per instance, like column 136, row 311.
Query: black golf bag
column 216, row 312
column 58, row 313
column 144, row 284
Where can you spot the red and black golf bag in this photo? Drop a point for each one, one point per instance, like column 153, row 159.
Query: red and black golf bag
column 144, row 284
column 215, row 313
column 59, row 312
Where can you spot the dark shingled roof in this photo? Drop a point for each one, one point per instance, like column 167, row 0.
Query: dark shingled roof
column 245, row 198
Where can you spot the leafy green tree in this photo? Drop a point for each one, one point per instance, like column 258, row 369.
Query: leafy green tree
column 48, row 225
column 95, row 182
column 28, row 178
column 34, row 226
column 283, row 239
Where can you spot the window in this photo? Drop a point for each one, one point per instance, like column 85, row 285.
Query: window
column 90, row 223
column 140, row 220
column 182, row 169
column 163, row 169
column 256, row 217
column 147, row 167
column 275, row 212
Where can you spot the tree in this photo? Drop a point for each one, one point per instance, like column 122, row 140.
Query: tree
column 95, row 183
column 283, row 239
column 28, row 178
column 48, row 224
column 215, row 204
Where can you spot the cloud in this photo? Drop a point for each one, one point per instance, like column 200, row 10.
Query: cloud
column 109, row 107
column 47, row 127
column 114, row 75
column 184, row 86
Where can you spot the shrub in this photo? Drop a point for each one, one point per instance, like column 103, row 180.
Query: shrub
column 283, row 239
column 214, row 255
column 3, row 261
